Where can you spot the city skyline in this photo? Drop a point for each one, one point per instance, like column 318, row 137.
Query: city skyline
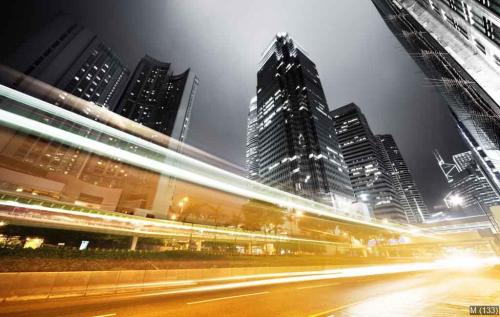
column 376, row 97
column 264, row 158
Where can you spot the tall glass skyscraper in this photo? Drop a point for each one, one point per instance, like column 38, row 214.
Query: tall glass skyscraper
column 409, row 196
column 158, row 99
column 297, row 148
column 68, row 56
column 60, row 61
column 370, row 179
column 456, row 43
column 67, row 65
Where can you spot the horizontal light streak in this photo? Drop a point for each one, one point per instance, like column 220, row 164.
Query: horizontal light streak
column 335, row 274
column 220, row 179
column 158, row 224
column 318, row 286
column 226, row 297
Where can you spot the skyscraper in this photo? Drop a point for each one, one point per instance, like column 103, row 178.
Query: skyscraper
column 409, row 195
column 252, row 154
column 457, row 46
column 68, row 56
column 370, row 179
column 61, row 60
column 297, row 148
column 158, row 99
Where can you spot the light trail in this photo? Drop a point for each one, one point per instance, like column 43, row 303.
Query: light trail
column 318, row 286
column 155, row 223
column 193, row 171
column 335, row 274
column 226, row 297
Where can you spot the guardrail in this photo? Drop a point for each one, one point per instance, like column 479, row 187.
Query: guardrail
column 44, row 285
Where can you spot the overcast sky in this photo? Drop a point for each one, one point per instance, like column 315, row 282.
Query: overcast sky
column 359, row 60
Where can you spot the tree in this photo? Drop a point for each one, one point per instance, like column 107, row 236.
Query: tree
column 259, row 215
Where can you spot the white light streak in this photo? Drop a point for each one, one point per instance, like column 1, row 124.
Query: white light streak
column 191, row 170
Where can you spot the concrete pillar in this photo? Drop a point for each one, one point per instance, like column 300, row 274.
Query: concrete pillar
column 133, row 244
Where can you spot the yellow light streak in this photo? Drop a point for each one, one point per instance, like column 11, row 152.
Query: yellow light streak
column 139, row 222
column 333, row 274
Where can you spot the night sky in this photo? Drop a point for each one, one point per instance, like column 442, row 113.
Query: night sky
column 359, row 60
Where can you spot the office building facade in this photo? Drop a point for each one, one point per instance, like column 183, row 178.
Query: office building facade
column 297, row 148
column 470, row 191
column 68, row 56
column 252, row 149
column 65, row 60
column 409, row 196
column 370, row 179
column 456, row 43
column 159, row 99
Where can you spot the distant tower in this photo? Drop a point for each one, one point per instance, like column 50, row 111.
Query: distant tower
column 448, row 169
column 409, row 195
column 370, row 179
column 297, row 148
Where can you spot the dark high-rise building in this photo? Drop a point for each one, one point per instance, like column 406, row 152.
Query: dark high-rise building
column 370, row 179
column 64, row 60
column 456, row 43
column 252, row 154
column 61, row 60
column 70, row 57
column 158, row 99
column 408, row 193
column 297, row 148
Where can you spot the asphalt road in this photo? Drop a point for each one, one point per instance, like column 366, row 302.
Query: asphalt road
column 438, row 293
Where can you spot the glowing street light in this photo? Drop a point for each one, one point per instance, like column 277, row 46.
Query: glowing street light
column 454, row 200
column 183, row 203
column 364, row 197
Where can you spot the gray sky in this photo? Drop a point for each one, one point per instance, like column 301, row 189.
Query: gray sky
column 358, row 59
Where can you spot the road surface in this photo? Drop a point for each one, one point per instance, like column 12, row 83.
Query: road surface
column 436, row 293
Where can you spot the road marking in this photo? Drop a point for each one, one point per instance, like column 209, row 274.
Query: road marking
column 107, row 315
column 227, row 297
column 315, row 286
column 335, row 309
column 364, row 280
